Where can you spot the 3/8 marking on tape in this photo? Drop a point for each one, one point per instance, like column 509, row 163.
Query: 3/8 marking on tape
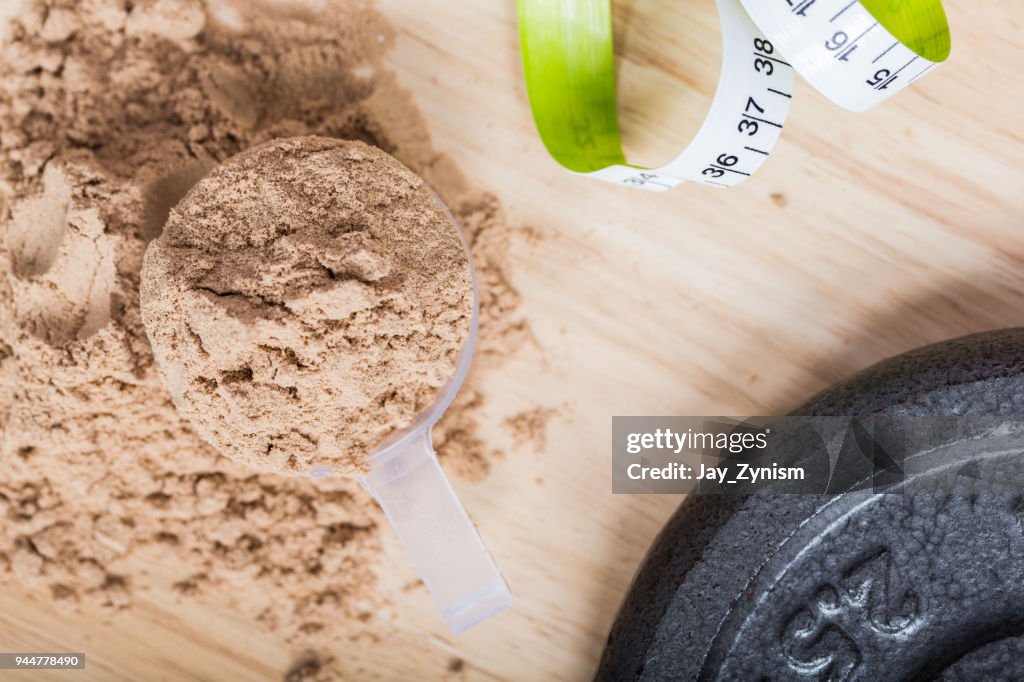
column 902, row 30
column 569, row 66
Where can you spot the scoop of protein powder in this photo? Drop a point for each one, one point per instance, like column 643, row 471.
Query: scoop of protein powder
column 312, row 309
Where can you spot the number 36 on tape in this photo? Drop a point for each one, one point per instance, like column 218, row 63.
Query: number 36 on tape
column 856, row 53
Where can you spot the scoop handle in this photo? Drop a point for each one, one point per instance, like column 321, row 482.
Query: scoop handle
column 436, row 533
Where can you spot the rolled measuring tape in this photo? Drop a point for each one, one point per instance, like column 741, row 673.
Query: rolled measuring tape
column 856, row 53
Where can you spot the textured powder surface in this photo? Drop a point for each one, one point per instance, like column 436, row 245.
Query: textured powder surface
column 306, row 299
column 108, row 115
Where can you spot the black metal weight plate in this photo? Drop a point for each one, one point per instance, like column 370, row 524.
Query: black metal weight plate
column 850, row 586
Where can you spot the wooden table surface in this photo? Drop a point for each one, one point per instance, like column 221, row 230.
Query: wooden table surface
column 863, row 236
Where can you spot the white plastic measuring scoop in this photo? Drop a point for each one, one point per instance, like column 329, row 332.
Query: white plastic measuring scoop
column 425, row 513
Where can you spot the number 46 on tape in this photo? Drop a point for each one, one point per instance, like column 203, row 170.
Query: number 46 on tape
column 856, row 53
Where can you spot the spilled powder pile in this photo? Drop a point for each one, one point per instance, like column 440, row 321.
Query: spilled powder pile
column 307, row 299
column 109, row 112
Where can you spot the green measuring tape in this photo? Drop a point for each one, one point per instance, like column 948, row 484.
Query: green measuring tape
column 856, row 53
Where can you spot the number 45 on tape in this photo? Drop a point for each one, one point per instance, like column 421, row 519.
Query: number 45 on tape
column 856, row 53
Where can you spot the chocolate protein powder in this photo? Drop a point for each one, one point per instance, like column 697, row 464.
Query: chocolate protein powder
column 306, row 299
column 109, row 114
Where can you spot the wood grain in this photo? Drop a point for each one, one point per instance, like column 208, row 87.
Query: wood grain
column 864, row 236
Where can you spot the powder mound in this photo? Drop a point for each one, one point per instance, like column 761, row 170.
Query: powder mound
column 306, row 299
column 105, row 124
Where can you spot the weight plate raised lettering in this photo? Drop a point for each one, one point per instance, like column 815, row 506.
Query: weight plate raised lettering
column 851, row 587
